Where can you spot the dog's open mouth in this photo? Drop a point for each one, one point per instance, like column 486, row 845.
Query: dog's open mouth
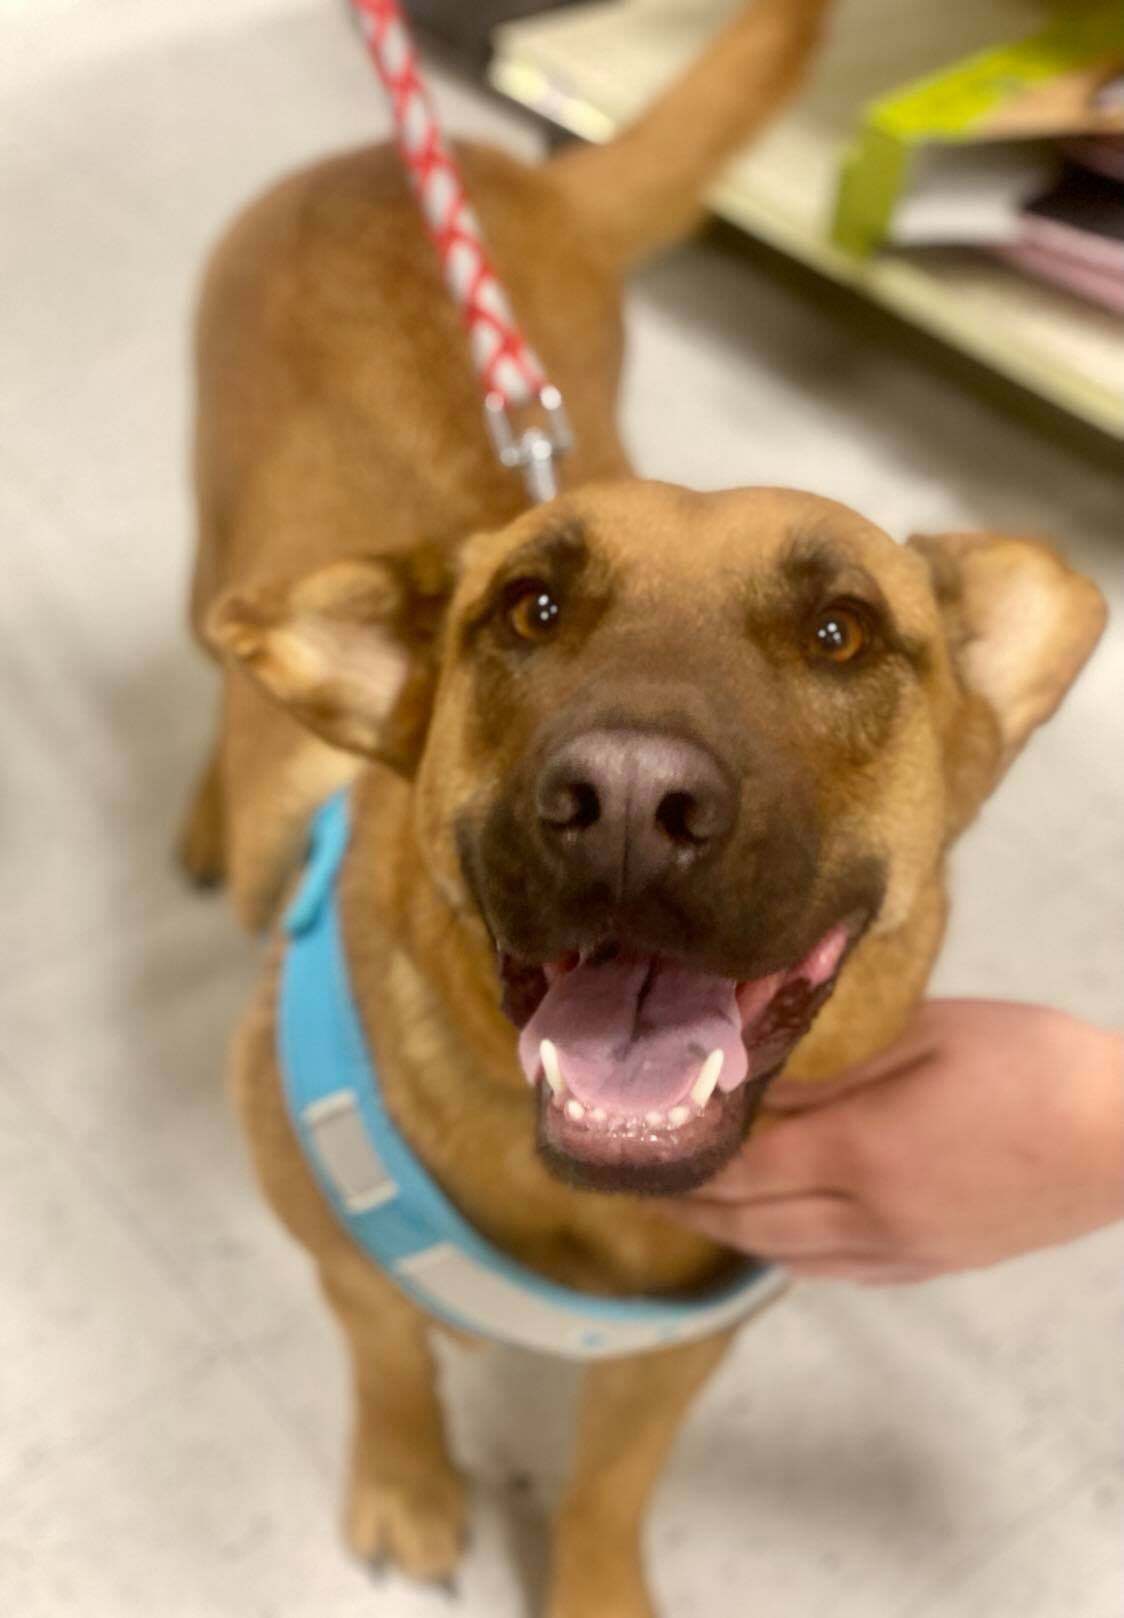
column 648, row 1070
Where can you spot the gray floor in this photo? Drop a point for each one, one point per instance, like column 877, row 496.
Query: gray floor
column 171, row 1399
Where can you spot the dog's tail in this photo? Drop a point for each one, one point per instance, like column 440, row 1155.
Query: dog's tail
column 644, row 189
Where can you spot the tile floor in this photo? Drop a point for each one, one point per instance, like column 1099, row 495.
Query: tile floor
column 171, row 1399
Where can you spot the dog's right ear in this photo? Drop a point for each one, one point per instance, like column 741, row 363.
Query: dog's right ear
column 1020, row 625
column 349, row 650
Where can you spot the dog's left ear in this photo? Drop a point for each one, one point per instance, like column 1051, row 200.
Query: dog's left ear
column 349, row 650
column 1020, row 624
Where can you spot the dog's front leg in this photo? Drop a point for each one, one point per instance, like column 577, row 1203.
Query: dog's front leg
column 406, row 1501
column 631, row 1411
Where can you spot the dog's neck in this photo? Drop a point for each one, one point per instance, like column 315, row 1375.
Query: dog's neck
column 427, row 992
column 412, row 951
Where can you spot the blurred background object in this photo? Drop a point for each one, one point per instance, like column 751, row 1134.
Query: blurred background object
column 465, row 33
column 905, row 104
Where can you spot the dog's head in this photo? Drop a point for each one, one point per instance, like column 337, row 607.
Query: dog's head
column 679, row 752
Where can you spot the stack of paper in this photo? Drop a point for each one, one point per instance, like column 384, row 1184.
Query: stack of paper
column 591, row 68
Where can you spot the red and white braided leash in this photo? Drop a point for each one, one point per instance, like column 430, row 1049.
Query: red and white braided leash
column 511, row 374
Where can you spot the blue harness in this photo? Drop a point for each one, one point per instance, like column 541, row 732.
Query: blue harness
column 391, row 1206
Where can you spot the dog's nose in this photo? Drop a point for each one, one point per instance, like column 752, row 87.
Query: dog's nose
column 627, row 807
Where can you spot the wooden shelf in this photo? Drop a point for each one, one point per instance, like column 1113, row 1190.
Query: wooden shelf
column 591, row 68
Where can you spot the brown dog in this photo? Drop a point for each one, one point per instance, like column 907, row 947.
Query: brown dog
column 687, row 762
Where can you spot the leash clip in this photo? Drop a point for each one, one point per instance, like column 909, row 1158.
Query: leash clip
column 537, row 449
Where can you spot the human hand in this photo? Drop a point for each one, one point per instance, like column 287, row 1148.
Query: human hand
column 988, row 1130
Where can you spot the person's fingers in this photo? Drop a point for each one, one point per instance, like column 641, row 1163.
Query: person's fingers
column 786, row 1228
column 788, row 1158
column 860, row 1270
column 798, row 1226
column 787, row 1096
column 927, row 1033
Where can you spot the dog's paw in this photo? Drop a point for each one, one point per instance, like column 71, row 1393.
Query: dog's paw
column 414, row 1522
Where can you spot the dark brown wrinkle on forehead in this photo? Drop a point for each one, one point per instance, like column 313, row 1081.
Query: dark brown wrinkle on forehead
column 559, row 551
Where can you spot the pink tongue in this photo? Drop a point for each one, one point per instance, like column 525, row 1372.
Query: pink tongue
column 632, row 1035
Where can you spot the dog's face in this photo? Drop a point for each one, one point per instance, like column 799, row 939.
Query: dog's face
column 679, row 752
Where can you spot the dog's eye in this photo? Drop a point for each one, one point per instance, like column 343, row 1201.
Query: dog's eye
column 838, row 633
column 532, row 610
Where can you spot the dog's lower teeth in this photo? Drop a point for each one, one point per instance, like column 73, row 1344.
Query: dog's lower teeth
column 551, row 1066
column 704, row 1085
column 630, row 1124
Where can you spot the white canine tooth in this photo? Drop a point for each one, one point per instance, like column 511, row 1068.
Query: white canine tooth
column 703, row 1087
column 575, row 1111
column 552, row 1068
column 656, row 1119
column 599, row 1115
column 678, row 1116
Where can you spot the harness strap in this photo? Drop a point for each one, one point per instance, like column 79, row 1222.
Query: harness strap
column 391, row 1206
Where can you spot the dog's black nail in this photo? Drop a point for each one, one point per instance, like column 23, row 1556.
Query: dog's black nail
column 205, row 881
